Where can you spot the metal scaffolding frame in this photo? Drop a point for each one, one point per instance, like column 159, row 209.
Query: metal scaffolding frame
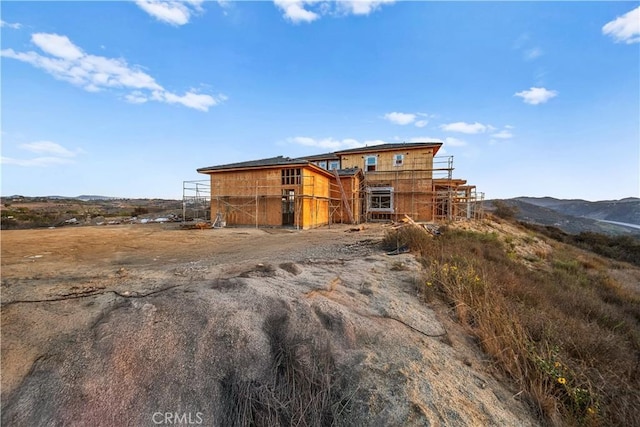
column 432, row 190
column 251, row 198
column 196, row 201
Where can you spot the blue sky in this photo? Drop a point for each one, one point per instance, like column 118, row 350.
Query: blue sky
column 129, row 98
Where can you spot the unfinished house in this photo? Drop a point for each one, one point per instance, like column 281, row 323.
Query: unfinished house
column 377, row 183
column 278, row 191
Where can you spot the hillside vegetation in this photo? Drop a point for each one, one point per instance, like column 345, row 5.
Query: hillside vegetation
column 574, row 216
column 561, row 323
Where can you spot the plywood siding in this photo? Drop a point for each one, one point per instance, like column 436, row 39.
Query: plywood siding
column 315, row 199
column 411, row 180
column 415, row 159
column 255, row 197
column 351, row 185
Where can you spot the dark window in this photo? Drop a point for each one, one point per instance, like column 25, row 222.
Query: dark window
column 290, row 177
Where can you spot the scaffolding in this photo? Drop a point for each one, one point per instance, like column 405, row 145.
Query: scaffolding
column 270, row 202
column 290, row 198
column 196, row 201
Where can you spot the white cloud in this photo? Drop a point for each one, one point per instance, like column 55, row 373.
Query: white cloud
column 503, row 134
column 400, row 118
column 408, row 118
column 13, row 26
column 190, row 99
column 295, row 12
column 66, row 61
column 454, row 142
column 536, row 95
column 333, row 144
column 625, row 28
column 361, row 7
column 463, row 127
column 171, row 11
column 298, row 11
column 50, row 153
column 56, row 45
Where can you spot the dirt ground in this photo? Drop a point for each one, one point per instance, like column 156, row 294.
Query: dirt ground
column 111, row 325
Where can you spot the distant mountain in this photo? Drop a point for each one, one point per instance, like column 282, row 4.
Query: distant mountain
column 625, row 210
column 576, row 216
column 94, row 197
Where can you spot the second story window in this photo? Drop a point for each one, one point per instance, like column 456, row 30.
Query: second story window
column 398, row 159
column 334, row 164
column 370, row 163
column 323, row 164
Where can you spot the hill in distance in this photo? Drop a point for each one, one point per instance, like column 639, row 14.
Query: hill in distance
column 574, row 216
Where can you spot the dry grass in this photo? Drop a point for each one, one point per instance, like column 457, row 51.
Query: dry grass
column 302, row 389
column 569, row 336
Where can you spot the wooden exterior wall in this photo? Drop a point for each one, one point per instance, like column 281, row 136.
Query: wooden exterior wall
column 255, row 197
column 414, row 159
column 351, row 185
column 315, row 199
column 412, row 181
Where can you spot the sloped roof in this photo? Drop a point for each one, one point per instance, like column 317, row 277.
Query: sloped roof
column 325, row 156
column 349, row 171
column 272, row 161
column 387, row 147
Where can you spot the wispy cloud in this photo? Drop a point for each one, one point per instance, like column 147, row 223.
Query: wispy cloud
column 299, row 11
column 331, row 143
column 66, row 61
column 464, row 127
column 536, row 95
column 527, row 46
column 533, row 53
column 503, row 134
column 47, row 147
column 13, row 26
column 407, row 118
column 625, row 28
column 171, row 11
column 49, row 154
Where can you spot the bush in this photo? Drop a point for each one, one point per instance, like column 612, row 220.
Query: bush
column 504, row 210
column 568, row 337
column 139, row 210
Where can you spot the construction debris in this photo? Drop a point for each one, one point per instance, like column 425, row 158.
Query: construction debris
column 430, row 228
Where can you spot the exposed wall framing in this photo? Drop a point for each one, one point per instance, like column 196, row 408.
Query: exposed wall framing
column 196, row 200
column 294, row 199
column 299, row 195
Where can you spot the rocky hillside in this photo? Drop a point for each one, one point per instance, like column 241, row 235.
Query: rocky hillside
column 133, row 325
